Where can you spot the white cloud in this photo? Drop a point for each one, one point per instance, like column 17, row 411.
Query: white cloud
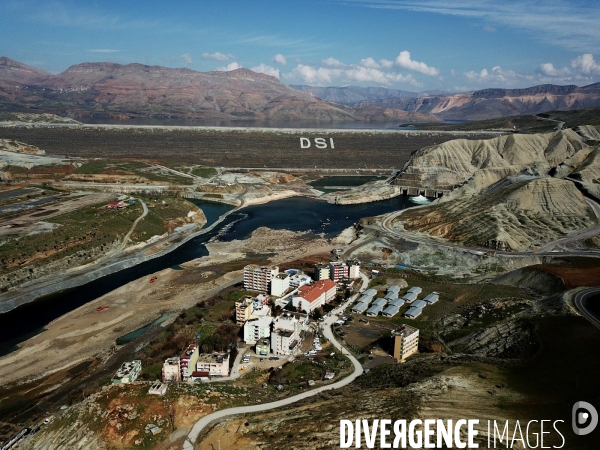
column 231, row 66
column 187, row 59
column 332, row 62
column 569, row 24
column 370, row 63
column 218, row 56
column 490, row 28
column 352, row 73
column 267, row 70
column 497, row 75
column 386, row 63
column 586, row 64
column 548, row 70
column 279, row 58
column 103, row 50
column 403, row 60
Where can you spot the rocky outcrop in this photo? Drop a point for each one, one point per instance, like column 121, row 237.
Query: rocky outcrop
column 497, row 340
column 515, row 214
column 19, row 147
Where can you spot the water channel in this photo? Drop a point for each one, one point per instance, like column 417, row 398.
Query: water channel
column 296, row 214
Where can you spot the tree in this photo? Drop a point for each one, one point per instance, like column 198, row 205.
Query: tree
column 316, row 314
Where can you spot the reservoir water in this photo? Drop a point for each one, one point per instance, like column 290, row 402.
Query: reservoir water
column 296, row 214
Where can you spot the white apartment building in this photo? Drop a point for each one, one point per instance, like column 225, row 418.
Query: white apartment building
column 280, row 284
column 406, row 342
column 187, row 361
column 314, row 296
column 285, row 336
column 212, row 365
column 171, row 370
column 258, row 278
column 353, row 269
column 256, row 329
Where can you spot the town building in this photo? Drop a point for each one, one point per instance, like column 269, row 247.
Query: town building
column 415, row 289
column 280, row 284
column 128, row 372
column 370, row 292
column 171, row 370
column 353, row 269
column 243, row 310
column 258, row 278
column 410, row 297
column 432, row 298
column 390, row 311
column 298, row 279
column 338, row 270
column 256, row 329
column 187, row 361
column 406, row 342
column 285, row 336
column 260, row 300
column 263, row 347
column 419, row 304
column 360, row 307
column 374, row 310
column 412, row 312
column 322, row 272
column 215, row 364
column 394, row 288
column 380, row 302
column 314, row 296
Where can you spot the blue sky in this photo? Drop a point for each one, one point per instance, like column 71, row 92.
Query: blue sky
column 411, row 45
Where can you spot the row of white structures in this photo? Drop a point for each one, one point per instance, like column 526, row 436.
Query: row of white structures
column 390, row 305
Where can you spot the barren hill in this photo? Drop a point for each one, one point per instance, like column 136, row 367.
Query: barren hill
column 136, row 90
column 517, row 213
column 492, row 103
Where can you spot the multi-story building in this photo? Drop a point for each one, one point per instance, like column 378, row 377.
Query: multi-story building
column 322, row 272
column 353, row 269
column 285, row 336
column 171, row 370
column 214, row 364
column 188, row 360
column 243, row 310
column 314, row 296
column 256, row 329
column 406, row 342
column 258, row 278
column 280, row 284
column 128, row 372
column 299, row 279
column 338, row 270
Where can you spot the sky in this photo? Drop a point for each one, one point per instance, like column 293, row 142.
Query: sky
column 414, row 45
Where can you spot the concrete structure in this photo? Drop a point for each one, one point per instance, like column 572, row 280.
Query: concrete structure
column 280, row 284
column 338, row 270
column 353, row 269
column 187, row 361
column 128, row 372
column 406, row 342
column 432, row 298
column 243, row 310
column 260, row 300
column 413, row 313
column 299, row 279
column 216, row 364
column 322, row 272
column 285, row 336
column 256, row 329
column 263, row 347
column 258, row 278
column 314, row 296
column 171, row 370
column 158, row 389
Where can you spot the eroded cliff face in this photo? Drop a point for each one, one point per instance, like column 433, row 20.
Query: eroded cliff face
column 515, row 214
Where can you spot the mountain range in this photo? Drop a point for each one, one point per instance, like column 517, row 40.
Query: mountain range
column 109, row 90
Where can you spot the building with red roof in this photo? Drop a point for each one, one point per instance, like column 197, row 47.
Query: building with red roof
column 314, row 296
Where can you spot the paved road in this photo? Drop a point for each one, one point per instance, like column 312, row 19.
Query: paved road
column 358, row 370
column 580, row 301
column 386, row 225
column 125, row 240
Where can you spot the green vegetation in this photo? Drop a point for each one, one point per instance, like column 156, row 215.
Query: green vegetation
column 204, row 172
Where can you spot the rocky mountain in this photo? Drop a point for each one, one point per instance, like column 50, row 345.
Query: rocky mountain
column 108, row 90
column 349, row 95
column 492, row 103
column 512, row 192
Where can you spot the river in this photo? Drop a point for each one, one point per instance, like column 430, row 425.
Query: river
column 296, row 214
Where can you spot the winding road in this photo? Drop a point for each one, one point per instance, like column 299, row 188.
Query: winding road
column 358, row 370
column 581, row 300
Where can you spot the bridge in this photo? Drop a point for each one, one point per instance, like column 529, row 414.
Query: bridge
column 427, row 192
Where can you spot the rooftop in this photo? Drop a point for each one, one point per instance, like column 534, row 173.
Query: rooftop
column 405, row 331
column 312, row 292
column 215, row 358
